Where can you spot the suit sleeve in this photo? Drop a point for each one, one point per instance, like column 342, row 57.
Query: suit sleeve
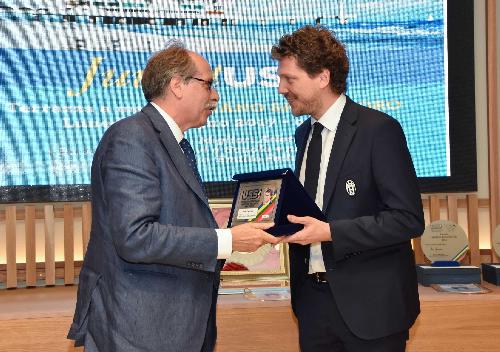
column 400, row 216
column 133, row 190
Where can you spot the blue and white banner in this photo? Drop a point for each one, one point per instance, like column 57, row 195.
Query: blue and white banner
column 68, row 71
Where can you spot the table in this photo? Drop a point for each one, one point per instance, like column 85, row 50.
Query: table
column 38, row 320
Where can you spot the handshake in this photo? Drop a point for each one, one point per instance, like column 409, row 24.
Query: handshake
column 250, row 236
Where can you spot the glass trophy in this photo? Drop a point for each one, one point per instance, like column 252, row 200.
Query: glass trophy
column 445, row 245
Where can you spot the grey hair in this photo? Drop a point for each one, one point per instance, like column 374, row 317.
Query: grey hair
column 172, row 61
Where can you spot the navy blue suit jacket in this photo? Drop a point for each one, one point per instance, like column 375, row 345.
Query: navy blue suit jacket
column 370, row 263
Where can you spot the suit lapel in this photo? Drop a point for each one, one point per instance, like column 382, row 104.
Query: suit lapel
column 343, row 137
column 301, row 140
column 301, row 137
column 179, row 160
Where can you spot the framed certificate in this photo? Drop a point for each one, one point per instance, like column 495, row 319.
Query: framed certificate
column 268, row 263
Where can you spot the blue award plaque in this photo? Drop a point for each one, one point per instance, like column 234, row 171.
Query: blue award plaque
column 270, row 196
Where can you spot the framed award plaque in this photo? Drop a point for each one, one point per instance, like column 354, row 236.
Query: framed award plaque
column 256, row 202
column 270, row 196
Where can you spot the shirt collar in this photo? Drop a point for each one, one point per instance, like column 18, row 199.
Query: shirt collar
column 331, row 117
column 171, row 123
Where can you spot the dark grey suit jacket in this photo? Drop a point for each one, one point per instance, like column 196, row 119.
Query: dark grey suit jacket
column 150, row 275
column 370, row 263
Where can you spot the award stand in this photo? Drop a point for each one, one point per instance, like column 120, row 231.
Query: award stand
column 270, row 196
column 445, row 244
column 491, row 272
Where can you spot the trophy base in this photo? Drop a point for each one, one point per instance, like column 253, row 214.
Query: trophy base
column 491, row 273
column 428, row 275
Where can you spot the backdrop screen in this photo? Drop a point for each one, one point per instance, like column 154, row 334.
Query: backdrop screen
column 69, row 69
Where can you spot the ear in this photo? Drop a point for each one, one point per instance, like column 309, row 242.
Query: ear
column 177, row 86
column 324, row 78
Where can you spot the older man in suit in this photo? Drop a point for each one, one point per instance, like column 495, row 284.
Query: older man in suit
column 151, row 272
column 353, row 277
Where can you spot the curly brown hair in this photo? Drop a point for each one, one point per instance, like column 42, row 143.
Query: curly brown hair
column 163, row 66
column 316, row 48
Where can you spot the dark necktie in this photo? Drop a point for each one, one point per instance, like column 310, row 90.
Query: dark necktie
column 191, row 159
column 313, row 161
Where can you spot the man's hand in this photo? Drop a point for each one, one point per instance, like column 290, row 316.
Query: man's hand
column 314, row 231
column 249, row 237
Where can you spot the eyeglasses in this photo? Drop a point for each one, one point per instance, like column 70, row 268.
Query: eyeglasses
column 210, row 84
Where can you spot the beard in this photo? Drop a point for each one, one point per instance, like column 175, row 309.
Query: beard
column 302, row 106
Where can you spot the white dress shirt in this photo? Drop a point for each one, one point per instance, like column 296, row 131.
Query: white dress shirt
column 330, row 121
column 224, row 236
